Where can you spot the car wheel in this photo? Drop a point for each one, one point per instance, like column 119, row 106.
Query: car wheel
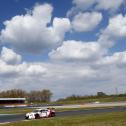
column 26, row 117
column 53, row 114
column 37, row 116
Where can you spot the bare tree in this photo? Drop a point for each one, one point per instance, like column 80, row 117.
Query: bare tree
column 40, row 96
column 13, row 93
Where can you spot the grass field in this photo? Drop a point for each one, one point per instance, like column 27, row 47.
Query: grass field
column 109, row 119
column 102, row 99
column 15, row 110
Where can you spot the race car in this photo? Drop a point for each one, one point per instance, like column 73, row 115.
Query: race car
column 40, row 113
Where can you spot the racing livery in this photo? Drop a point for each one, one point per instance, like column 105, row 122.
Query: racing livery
column 40, row 113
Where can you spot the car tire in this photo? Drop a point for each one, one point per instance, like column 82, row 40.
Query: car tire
column 26, row 117
column 37, row 116
column 53, row 114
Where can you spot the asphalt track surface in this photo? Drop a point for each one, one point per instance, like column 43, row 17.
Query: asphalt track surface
column 20, row 117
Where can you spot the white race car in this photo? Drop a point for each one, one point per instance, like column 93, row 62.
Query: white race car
column 40, row 113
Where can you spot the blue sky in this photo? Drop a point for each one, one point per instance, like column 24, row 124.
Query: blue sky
column 62, row 44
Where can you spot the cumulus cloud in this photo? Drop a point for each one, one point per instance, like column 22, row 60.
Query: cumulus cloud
column 31, row 33
column 83, row 5
column 111, row 5
column 30, row 76
column 118, row 58
column 86, row 21
column 35, row 69
column 80, row 5
column 99, row 73
column 77, row 50
column 10, row 57
column 60, row 27
column 11, row 64
column 115, row 30
column 63, row 76
column 88, row 67
column 80, row 50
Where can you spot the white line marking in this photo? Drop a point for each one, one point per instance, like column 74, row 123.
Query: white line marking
column 5, row 123
column 7, row 114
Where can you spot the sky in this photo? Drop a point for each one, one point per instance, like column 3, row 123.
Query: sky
column 67, row 46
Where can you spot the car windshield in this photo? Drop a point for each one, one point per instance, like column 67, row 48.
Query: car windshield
column 36, row 111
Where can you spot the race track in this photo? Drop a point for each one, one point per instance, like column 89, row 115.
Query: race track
column 15, row 118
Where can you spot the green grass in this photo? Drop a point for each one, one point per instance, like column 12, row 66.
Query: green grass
column 109, row 119
column 15, row 110
column 102, row 99
column 85, row 100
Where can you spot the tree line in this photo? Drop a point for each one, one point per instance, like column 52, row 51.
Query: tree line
column 32, row 96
